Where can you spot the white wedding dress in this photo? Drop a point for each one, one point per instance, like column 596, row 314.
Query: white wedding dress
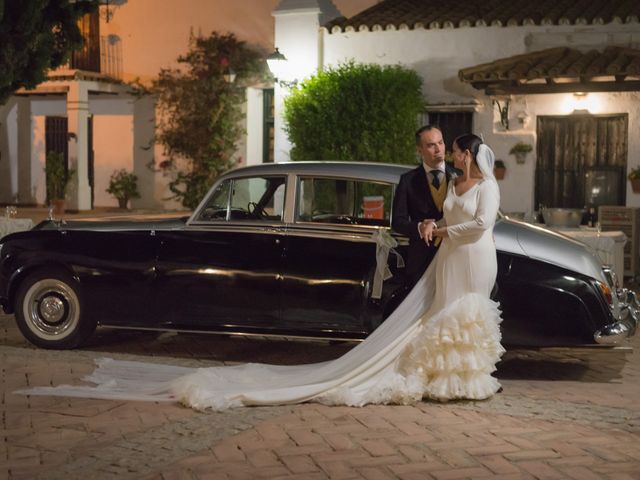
column 442, row 342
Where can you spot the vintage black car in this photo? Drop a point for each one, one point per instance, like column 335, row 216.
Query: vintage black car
column 287, row 250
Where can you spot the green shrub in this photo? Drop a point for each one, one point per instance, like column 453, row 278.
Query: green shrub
column 355, row 112
column 521, row 147
column 57, row 177
column 123, row 185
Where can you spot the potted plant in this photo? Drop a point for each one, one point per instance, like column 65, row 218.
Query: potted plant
column 57, row 179
column 634, row 177
column 499, row 169
column 520, row 151
column 123, row 185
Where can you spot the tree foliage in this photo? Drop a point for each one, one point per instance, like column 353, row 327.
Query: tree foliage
column 355, row 112
column 35, row 36
column 200, row 113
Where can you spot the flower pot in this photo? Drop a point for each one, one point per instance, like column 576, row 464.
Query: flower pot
column 635, row 185
column 58, row 206
column 499, row 172
column 122, row 202
column 520, row 157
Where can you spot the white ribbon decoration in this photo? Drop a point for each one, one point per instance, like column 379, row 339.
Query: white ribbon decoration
column 385, row 244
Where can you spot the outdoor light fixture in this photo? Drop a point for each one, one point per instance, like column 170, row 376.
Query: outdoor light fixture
column 580, row 102
column 277, row 63
column 229, row 75
column 107, row 12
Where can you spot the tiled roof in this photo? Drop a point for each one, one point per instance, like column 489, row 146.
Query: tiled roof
column 559, row 69
column 434, row 14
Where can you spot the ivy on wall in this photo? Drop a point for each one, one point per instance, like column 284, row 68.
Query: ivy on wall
column 199, row 121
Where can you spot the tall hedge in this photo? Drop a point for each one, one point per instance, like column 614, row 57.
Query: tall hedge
column 356, row 112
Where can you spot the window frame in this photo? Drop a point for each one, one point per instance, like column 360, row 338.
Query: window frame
column 299, row 221
column 227, row 219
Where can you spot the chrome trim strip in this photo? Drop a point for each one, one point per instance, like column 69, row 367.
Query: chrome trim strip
column 589, row 348
column 235, row 334
column 356, row 233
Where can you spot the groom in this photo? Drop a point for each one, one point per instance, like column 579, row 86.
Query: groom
column 419, row 198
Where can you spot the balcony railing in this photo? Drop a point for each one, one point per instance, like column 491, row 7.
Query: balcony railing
column 104, row 57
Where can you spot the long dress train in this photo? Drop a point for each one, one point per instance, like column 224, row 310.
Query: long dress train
column 442, row 342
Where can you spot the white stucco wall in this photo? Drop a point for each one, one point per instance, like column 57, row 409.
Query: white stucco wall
column 8, row 153
column 438, row 55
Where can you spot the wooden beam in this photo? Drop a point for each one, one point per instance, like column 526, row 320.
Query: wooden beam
column 506, row 89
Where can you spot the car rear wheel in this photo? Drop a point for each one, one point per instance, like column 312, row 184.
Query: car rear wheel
column 49, row 311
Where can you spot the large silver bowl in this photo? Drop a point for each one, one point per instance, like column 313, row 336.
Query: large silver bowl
column 562, row 217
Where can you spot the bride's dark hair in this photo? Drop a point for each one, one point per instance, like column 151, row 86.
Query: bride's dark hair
column 470, row 142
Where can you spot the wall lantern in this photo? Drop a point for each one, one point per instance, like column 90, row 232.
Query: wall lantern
column 107, row 12
column 229, row 75
column 580, row 102
column 278, row 63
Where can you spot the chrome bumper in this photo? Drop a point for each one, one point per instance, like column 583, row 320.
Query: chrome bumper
column 626, row 326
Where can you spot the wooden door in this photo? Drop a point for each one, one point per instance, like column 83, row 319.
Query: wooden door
column 572, row 150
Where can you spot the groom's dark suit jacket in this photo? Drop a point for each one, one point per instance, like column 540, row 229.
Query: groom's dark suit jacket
column 413, row 203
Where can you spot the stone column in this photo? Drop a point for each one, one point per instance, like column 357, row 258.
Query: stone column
column 79, row 194
column 297, row 24
column 8, row 165
column 26, row 184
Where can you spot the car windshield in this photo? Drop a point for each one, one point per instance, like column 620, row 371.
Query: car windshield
column 252, row 198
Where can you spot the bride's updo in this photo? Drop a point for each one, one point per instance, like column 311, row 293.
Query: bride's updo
column 470, row 142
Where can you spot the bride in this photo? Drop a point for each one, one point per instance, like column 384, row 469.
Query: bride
column 442, row 342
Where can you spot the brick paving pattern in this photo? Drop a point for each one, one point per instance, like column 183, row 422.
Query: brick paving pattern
column 573, row 415
column 562, row 415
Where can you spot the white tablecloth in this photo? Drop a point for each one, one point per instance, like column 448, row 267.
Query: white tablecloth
column 11, row 225
column 608, row 246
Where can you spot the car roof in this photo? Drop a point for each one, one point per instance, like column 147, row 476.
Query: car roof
column 384, row 172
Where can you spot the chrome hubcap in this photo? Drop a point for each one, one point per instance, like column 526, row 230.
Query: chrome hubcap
column 51, row 308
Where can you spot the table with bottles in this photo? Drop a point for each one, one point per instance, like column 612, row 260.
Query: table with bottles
column 10, row 224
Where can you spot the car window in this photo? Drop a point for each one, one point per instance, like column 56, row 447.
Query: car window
column 256, row 198
column 330, row 200
column 216, row 207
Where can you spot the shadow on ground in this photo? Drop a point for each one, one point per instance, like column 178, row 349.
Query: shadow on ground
column 566, row 365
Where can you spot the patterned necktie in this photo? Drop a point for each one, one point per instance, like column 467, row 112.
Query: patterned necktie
column 436, row 178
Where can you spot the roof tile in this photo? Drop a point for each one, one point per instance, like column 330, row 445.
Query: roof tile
column 467, row 13
column 558, row 63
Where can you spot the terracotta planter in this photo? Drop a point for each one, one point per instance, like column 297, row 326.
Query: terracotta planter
column 635, row 185
column 58, row 206
column 499, row 172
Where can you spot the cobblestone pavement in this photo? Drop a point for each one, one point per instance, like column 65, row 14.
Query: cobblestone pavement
column 562, row 415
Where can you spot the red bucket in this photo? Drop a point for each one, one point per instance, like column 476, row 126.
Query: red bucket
column 373, row 206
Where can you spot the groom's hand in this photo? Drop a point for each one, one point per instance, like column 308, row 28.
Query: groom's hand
column 422, row 226
column 427, row 232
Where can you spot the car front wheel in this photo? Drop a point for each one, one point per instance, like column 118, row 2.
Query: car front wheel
column 49, row 311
